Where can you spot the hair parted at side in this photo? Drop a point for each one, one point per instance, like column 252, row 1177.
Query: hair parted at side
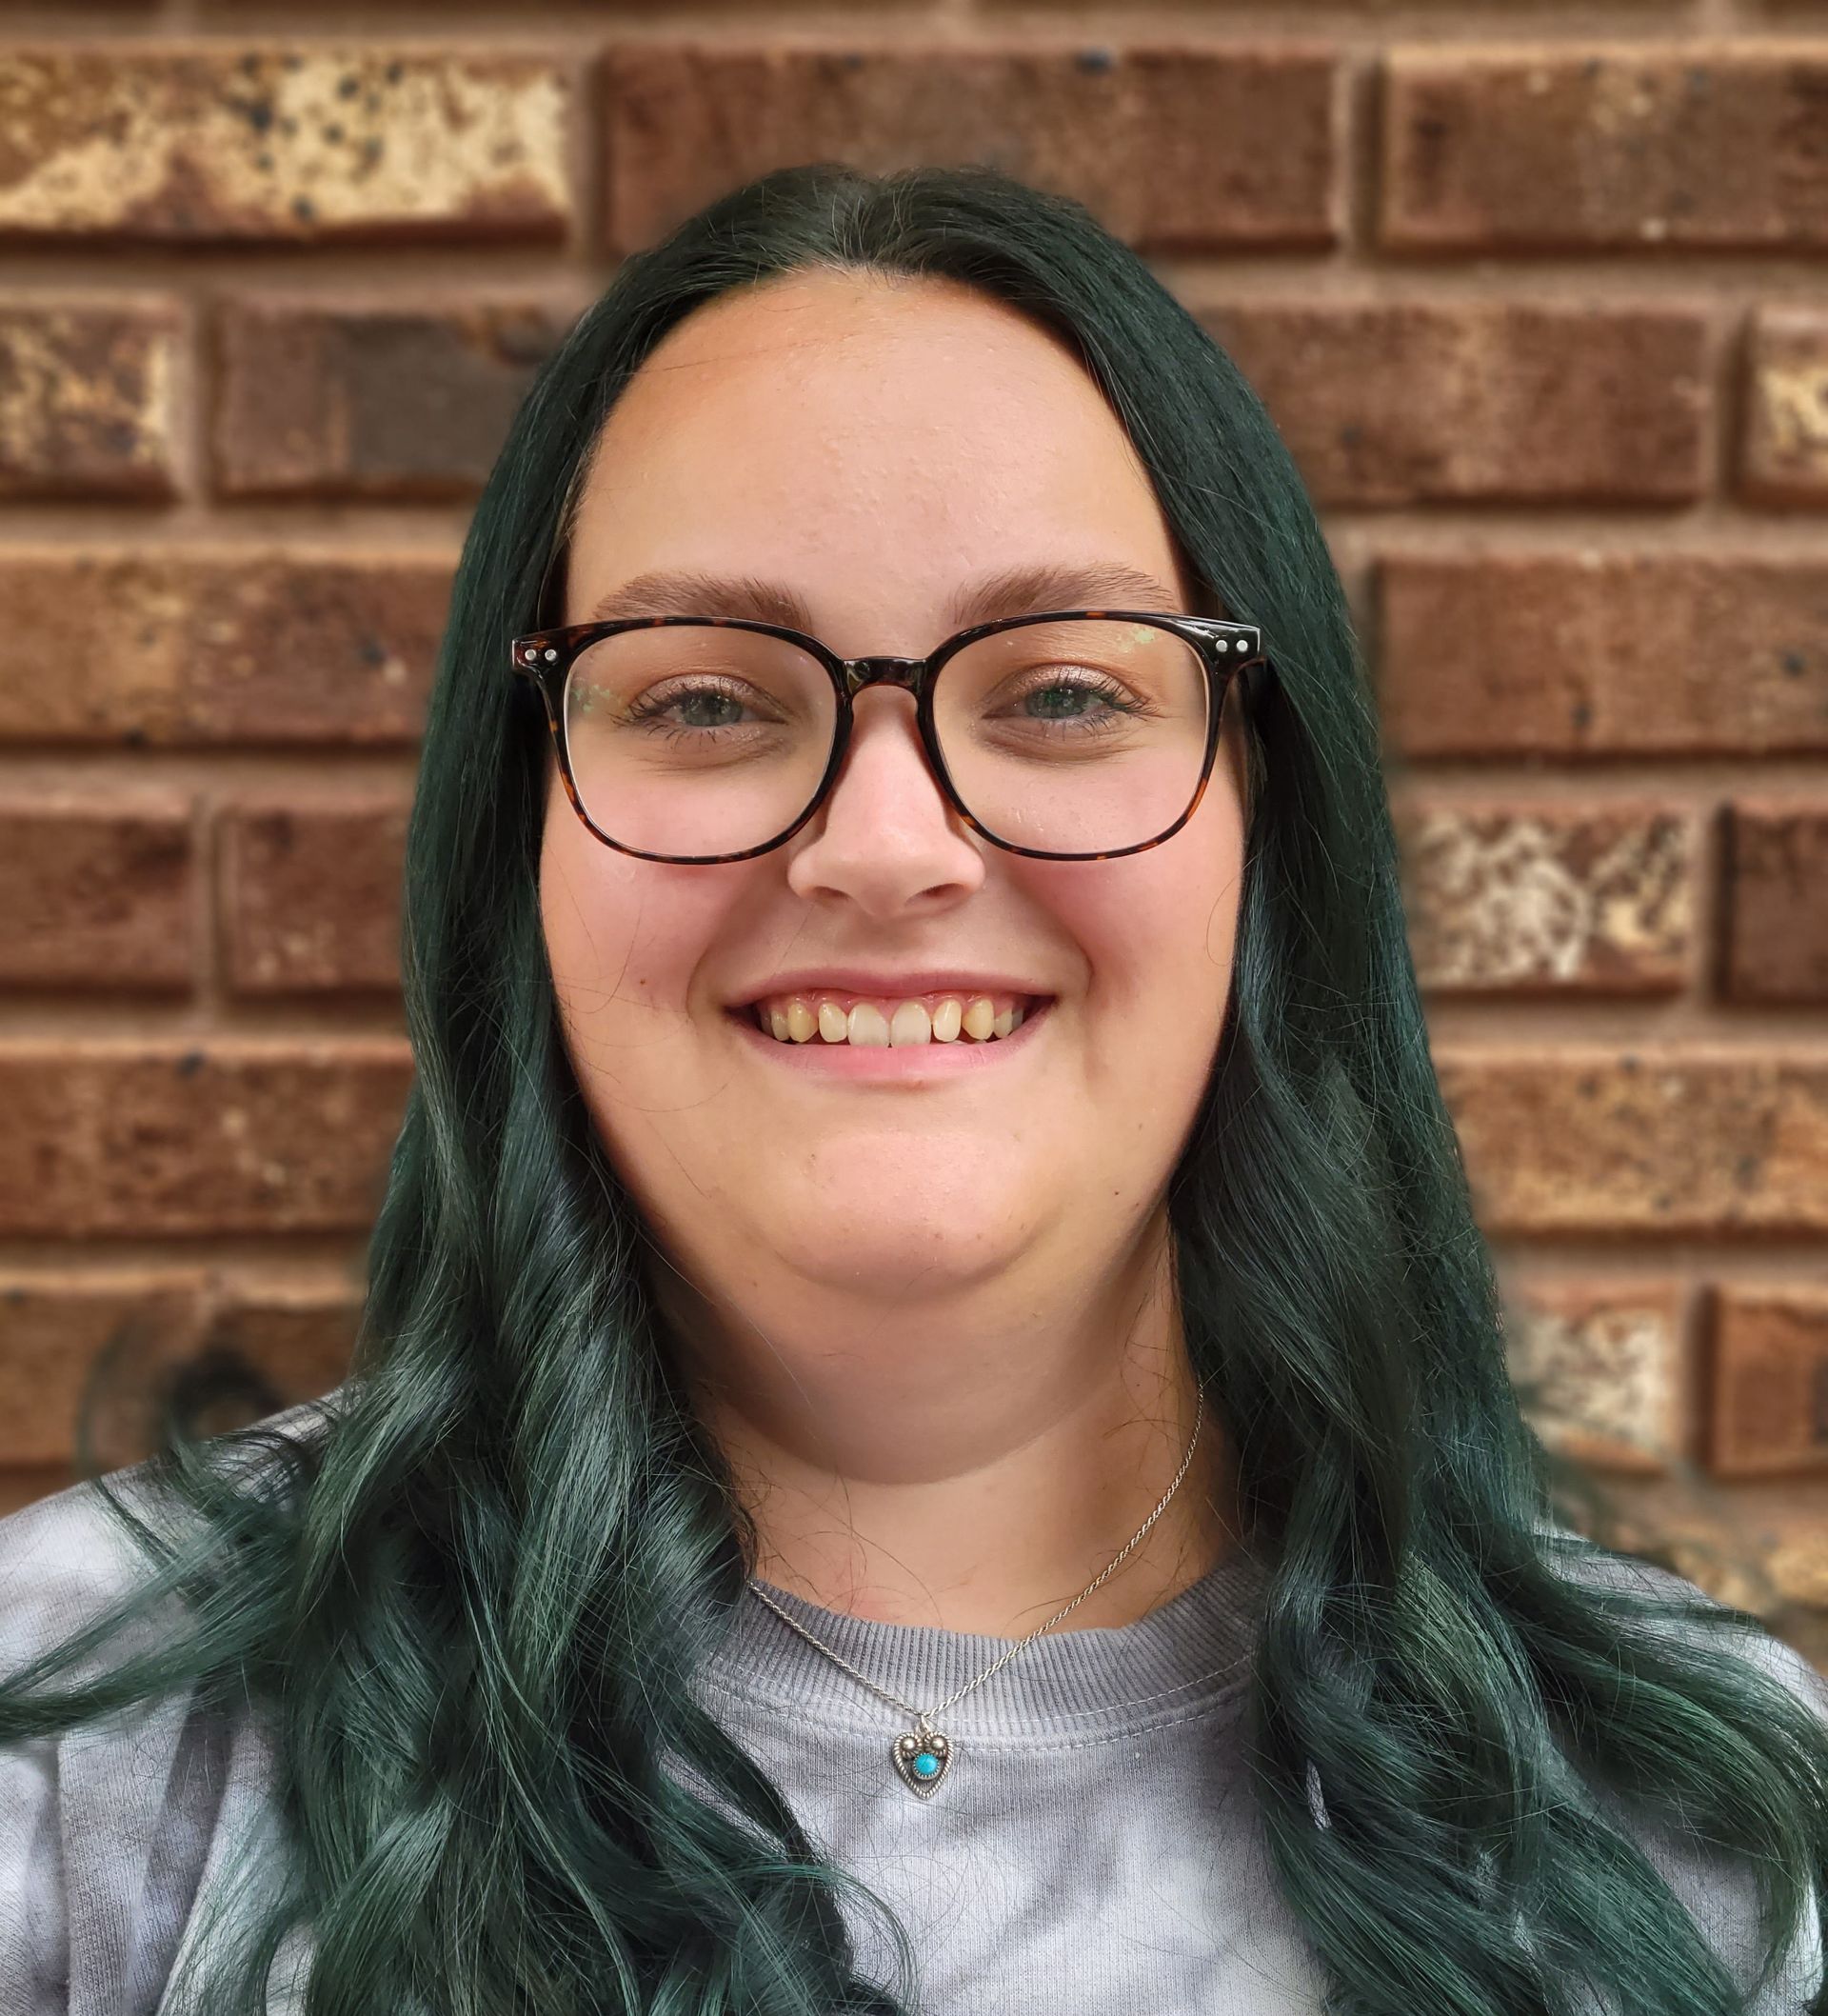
column 471, row 1597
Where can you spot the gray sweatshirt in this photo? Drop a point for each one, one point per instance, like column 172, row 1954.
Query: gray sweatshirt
column 1090, row 1847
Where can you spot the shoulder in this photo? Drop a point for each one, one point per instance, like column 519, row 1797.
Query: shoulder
column 67, row 1558
column 107, row 1829
column 1720, row 1893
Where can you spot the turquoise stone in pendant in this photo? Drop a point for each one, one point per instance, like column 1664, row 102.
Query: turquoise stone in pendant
column 920, row 1760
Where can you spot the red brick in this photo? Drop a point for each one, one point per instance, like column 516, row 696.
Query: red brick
column 300, row 1336
column 21, row 1487
column 1757, row 1544
column 146, row 1336
column 1394, row 403
column 54, row 1329
column 209, row 142
column 260, row 1348
column 1598, row 653
column 1706, row 146
column 1785, row 452
column 1692, row 1139
column 1599, row 1369
column 310, row 894
column 163, row 645
column 1768, row 1382
column 85, row 396
column 1183, row 146
column 232, row 1135
column 1547, row 899
column 341, row 400
column 1776, row 908
column 97, row 891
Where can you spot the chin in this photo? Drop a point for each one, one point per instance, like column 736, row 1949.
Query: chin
column 883, row 1248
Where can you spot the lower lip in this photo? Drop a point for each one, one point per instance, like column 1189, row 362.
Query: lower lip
column 892, row 1062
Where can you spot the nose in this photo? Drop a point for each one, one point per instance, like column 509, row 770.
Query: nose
column 887, row 837
column 861, row 672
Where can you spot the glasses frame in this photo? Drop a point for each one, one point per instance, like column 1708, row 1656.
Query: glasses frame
column 544, row 657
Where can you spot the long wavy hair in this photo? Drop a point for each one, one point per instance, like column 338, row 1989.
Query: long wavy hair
column 470, row 1590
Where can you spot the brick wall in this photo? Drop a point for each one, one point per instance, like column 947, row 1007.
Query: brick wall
column 1538, row 301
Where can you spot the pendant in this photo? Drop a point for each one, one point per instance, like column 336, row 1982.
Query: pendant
column 921, row 1758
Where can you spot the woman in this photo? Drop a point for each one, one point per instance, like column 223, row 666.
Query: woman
column 930, row 1430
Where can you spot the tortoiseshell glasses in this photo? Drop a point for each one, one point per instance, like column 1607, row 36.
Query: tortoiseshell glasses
column 1073, row 735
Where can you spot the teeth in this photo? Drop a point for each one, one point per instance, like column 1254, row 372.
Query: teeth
column 868, row 1030
column 870, row 1025
column 910, row 1023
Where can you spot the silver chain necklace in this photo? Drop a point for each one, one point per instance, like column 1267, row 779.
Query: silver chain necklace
column 923, row 1755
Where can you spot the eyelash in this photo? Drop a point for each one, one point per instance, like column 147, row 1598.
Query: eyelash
column 652, row 706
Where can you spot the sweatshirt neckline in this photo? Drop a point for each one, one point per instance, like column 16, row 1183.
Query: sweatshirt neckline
column 1174, row 1659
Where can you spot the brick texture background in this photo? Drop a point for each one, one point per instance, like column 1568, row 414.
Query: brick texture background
column 1536, row 296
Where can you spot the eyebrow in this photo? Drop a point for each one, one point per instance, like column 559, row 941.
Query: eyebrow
column 1014, row 591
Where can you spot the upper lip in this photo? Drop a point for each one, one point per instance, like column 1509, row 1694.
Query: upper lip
column 890, row 987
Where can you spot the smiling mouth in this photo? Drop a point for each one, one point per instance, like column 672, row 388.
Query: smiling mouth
column 859, row 1023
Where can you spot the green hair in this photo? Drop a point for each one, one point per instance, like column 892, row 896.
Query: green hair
column 470, row 1594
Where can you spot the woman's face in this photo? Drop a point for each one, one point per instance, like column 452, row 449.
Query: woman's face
column 877, row 447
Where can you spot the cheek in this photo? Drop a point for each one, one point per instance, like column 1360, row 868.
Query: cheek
column 614, row 949
column 625, row 938
column 1158, row 934
column 586, row 911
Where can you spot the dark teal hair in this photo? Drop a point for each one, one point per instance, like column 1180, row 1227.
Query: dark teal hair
column 472, row 1594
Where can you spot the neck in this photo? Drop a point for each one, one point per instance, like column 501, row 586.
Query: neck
column 969, row 1467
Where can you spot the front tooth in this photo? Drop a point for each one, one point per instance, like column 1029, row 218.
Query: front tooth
column 802, row 1025
column 910, row 1023
column 979, row 1019
column 832, row 1025
column 866, row 1027
column 946, row 1019
column 1005, row 1022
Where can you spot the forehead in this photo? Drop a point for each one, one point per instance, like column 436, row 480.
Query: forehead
column 863, row 436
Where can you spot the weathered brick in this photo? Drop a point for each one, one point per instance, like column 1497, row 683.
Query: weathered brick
column 160, row 645
column 1390, row 403
column 1598, row 1368
column 260, row 1348
column 21, row 1486
column 157, row 1337
column 1757, row 1544
column 1768, row 1382
column 231, row 1135
column 1546, row 898
column 1775, row 906
column 86, row 399
column 298, row 1335
column 351, row 401
column 1796, row 1557
column 307, row 142
column 1592, row 652
column 1689, row 1139
column 97, row 893
column 1785, row 449
column 1131, row 130
column 310, row 894
column 1708, row 145
column 54, row 1329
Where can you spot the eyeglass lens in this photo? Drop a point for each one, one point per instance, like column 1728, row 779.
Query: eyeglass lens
column 1078, row 735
